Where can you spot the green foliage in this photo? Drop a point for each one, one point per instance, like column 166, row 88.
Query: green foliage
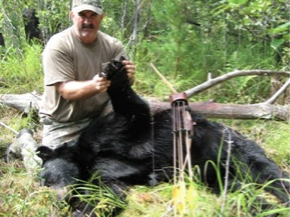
column 185, row 40
column 186, row 44
column 178, row 58
column 21, row 70
column 118, row 19
column 53, row 16
column 12, row 26
column 262, row 20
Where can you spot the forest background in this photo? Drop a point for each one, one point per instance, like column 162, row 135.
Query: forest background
column 186, row 40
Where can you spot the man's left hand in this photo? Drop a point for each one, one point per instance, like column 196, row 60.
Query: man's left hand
column 130, row 68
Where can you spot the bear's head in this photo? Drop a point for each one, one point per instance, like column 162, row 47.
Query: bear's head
column 59, row 167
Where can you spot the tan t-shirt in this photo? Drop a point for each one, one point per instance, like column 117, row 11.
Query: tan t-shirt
column 65, row 58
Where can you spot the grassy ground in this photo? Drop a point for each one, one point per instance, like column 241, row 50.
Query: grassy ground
column 21, row 195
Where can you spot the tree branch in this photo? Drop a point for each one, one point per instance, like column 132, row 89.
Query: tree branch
column 278, row 93
column 237, row 73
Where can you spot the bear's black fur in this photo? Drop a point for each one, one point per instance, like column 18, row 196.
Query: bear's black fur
column 130, row 146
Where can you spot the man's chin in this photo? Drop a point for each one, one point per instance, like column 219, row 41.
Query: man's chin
column 88, row 31
column 87, row 37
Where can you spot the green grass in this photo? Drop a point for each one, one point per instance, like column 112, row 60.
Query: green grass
column 21, row 195
column 21, row 70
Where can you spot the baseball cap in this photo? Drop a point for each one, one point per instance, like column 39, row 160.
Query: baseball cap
column 91, row 5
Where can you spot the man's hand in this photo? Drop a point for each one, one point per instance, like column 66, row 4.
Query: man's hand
column 130, row 68
column 101, row 83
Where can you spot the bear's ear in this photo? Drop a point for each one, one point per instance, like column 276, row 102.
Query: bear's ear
column 44, row 152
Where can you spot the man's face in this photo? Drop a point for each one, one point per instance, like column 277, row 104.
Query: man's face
column 86, row 25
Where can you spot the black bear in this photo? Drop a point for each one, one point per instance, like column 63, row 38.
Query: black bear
column 121, row 147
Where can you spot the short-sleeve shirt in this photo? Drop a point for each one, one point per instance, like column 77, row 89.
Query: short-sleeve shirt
column 65, row 58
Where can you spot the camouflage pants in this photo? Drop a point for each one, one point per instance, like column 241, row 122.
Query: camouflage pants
column 55, row 133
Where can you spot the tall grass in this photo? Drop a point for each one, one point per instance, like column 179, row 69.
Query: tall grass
column 21, row 70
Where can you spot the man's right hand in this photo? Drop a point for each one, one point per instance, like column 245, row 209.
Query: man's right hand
column 101, row 83
column 79, row 90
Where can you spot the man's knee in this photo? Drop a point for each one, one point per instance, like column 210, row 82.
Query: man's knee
column 56, row 134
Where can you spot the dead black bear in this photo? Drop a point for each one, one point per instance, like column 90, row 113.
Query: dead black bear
column 121, row 146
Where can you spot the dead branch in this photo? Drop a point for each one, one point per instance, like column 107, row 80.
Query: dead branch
column 4, row 125
column 278, row 93
column 163, row 79
column 237, row 73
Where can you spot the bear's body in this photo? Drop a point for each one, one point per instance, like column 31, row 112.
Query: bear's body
column 129, row 146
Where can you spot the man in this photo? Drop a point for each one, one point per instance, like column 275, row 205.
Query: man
column 74, row 93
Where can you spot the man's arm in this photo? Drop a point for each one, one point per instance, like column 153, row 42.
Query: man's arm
column 79, row 90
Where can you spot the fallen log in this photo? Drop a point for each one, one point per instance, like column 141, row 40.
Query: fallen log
column 233, row 111
column 266, row 111
column 22, row 102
